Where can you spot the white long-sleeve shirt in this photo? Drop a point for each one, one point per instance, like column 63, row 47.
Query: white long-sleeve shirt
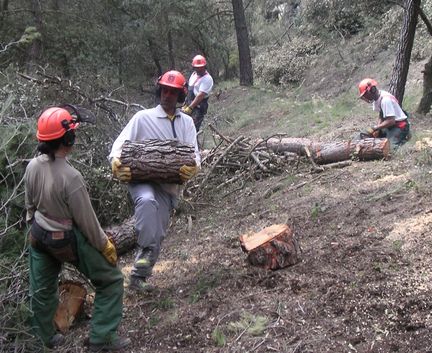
column 154, row 124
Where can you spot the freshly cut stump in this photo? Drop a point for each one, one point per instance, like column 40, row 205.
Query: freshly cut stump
column 272, row 248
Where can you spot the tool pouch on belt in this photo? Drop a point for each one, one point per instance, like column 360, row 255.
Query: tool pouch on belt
column 62, row 245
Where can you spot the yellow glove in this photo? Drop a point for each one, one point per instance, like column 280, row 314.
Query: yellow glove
column 120, row 172
column 110, row 253
column 373, row 131
column 186, row 172
column 186, row 109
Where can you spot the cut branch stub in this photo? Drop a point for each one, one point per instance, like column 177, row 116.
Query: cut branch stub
column 157, row 160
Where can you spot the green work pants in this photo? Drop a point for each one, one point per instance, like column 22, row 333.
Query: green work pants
column 107, row 279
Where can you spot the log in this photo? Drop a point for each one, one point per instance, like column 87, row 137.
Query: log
column 72, row 296
column 272, row 248
column 157, row 160
column 332, row 152
column 123, row 235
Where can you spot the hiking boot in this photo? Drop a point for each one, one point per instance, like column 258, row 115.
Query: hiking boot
column 116, row 345
column 140, row 285
column 57, row 340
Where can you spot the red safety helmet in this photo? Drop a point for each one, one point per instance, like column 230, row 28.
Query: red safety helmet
column 366, row 85
column 199, row 61
column 54, row 123
column 172, row 79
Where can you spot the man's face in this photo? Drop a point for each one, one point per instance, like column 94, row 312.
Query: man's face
column 169, row 97
column 370, row 95
column 200, row 70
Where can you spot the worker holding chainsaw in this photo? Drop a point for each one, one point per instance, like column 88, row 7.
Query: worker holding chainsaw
column 200, row 85
column 392, row 120
column 64, row 228
column 153, row 201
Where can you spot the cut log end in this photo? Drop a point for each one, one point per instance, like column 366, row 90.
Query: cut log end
column 272, row 248
column 72, row 296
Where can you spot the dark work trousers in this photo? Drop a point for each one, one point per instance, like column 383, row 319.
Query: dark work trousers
column 45, row 267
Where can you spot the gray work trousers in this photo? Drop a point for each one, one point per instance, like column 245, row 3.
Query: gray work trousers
column 153, row 207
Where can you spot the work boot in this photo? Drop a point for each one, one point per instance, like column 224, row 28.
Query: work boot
column 116, row 345
column 140, row 285
column 144, row 262
column 56, row 341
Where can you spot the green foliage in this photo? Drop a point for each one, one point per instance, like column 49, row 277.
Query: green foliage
column 254, row 325
column 205, row 282
column 345, row 17
column 218, row 337
column 164, row 304
column 287, row 64
column 30, row 34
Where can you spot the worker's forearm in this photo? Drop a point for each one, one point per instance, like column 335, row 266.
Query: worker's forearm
column 198, row 99
column 389, row 122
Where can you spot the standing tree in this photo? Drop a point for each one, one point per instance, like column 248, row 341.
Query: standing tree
column 401, row 66
column 245, row 63
column 34, row 52
column 426, row 101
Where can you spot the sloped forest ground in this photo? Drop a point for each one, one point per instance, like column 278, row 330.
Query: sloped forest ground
column 365, row 231
column 364, row 281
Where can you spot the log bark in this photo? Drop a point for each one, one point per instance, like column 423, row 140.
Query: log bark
column 332, row 152
column 157, row 160
column 272, row 248
column 123, row 236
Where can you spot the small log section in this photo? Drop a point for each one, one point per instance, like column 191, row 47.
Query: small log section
column 71, row 303
column 157, row 160
column 123, row 235
column 272, row 248
column 332, row 152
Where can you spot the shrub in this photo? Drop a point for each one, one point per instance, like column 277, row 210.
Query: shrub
column 287, row 64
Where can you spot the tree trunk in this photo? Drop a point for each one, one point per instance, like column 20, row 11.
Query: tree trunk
column 170, row 45
column 155, row 56
column 157, row 160
column 331, row 152
column 34, row 52
column 426, row 101
column 401, row 66
column 246, row 74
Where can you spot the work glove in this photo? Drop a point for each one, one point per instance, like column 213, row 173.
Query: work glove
column 110, row 253
column 373, row 131
column 122, row 173
column 186, row 109
column 186, row 172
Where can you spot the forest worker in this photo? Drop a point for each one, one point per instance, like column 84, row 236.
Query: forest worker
column 64, row 228
column 392, row 121
column 199, row 87
column 154, row 202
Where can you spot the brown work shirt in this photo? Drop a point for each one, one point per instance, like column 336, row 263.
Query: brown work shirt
column 56, row 197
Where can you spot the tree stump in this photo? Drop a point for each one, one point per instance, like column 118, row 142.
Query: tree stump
column 157, row 160
column 72, row 296
column 332, row 152
column 272, row 248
